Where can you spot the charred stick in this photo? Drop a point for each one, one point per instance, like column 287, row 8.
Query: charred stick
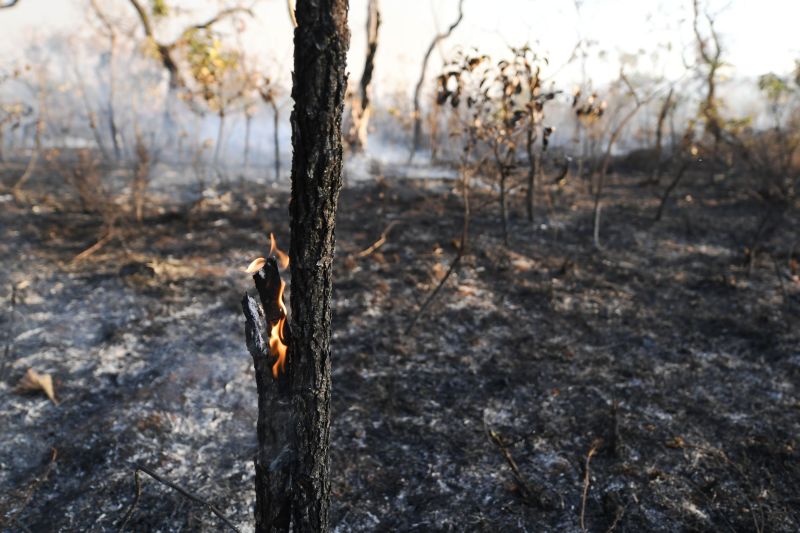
column 183, row 492
column 380, row 242
column 668, row 190
column 526, row 491
column 587, row 479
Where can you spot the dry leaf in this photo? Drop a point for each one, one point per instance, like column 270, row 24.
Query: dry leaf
column 676, row 442
column 439, row 271
column 32, row 381
column 256, row 265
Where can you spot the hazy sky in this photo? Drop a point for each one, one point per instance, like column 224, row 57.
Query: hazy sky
column 759, row 35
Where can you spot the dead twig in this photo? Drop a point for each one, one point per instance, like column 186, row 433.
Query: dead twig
column 27, row 493
column 587, row 478
column 137, row 494
column 183, row 492
column 380, row 242
column 10, row 333
column 465, row 185
column 617, row 517
column 779, row 275
column 93, row 248
column 522, row 484
column 432, row 296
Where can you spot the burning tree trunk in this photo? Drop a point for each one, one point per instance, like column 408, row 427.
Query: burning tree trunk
column 293, row 461
column 274, row 456
column 357, row 136
column 436, row 40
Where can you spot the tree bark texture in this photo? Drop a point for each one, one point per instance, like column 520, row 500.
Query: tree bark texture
column 321, row 40
column 274, row 430
column 293, row 459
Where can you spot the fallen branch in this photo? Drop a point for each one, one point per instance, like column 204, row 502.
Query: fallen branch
column 669, row 189
column 25, row 495
column 524, row 488
column 465, row 185
column 380, row 242
column 183, row 492
column 93, row 248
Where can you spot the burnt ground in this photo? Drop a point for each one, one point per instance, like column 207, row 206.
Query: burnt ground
column 659, row 361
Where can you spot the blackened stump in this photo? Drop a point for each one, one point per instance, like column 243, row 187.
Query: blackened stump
column 274, row 457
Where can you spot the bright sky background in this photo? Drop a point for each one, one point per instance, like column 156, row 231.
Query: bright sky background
column 759, row 36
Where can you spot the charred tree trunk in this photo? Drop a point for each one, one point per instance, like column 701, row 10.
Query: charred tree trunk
column 533, row 164
column 112, row 52
column 268, row 96
column 220, row 132
column 662, row 117
column 357, row 136
column 248, row 119
column 674, row 183
column 276, row 140
column 321, row 40
column 418, row 89
column 293, row 460
column 601, row 179
column 502, row 171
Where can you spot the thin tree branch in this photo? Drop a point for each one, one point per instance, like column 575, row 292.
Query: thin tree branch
column 183, row 492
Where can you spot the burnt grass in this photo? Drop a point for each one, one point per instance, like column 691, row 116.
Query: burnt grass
column 659, row 369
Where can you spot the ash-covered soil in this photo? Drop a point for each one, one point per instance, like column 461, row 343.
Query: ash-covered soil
column 657, row 377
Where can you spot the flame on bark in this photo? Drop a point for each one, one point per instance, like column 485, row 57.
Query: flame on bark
column 277, row 335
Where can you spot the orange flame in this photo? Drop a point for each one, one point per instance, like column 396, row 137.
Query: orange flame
column 283, row 259
column 277, row 337
column 277, row 334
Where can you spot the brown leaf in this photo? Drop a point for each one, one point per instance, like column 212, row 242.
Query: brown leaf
column 33, row 381
column 676, row 442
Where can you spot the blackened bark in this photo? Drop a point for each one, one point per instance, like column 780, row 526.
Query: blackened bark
column 321, row 40
column 373, row 24
column 274, row 456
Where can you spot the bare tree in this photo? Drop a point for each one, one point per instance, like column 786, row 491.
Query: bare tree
column 639, row 102
column 111, row 33
column 418, row 89
column 361, row 110
column 666, row 105
column 710, row 55
column 267, row 92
